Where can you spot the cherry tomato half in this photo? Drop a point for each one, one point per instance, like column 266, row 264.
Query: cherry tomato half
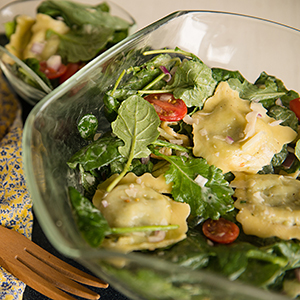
column 167, row 107
column 221, row 231
column 72, row 68
column 295, row 107
column 50, row 72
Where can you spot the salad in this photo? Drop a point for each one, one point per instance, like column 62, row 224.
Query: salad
column 200, row 168
column 62, row 38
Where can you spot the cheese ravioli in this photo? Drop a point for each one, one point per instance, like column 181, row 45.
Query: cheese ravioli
column 235, row 134
column 269, row 205
column 138, row 201
column 39, row 30
column 20, row 38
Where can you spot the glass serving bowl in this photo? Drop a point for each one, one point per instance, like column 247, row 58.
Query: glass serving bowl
column 29, row 93
column 220, row 39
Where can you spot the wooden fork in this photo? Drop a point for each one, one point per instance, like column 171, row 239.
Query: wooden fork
column 41, row 270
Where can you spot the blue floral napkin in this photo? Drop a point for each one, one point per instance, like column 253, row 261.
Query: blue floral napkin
column 15, row 203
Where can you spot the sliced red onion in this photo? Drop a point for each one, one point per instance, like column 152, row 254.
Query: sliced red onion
column 229, row 139
column 173, row 70
column 166, row 72
column 157, row 237
column 188, row 120
column 54, row 62
column 37, row 48
column 145, row 160
column 200, row 180
column 176, row 142
column 104, row 203
column 275, row 123
column 297, row 273
column 288, row 161
column 278, row 102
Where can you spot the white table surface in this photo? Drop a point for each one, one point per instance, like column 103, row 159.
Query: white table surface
column 148, row 11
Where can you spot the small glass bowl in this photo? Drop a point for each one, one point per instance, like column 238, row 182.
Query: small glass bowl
column 227, row 40
column 29, row 93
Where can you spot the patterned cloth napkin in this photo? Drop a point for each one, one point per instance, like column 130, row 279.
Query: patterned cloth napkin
column 15, row 203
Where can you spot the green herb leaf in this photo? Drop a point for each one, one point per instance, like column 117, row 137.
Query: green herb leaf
column 99, row 153
column 33, row 64
column 87, row 126
column 10, row 28
column 79, row 45
column 148, row 71
column 193, row 83
column 136, row 125
column 209, row 201
column 77, row 14
column 91, row 223
column 265, row 80
column 287, row 116
column 164, row 143
column 252, row 92
column 223, row 74
column 92, row 28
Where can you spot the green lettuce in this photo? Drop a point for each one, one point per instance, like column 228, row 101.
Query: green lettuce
column 92, row 28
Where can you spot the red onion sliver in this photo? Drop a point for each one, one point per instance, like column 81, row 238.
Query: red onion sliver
column 157, row 237
column 229, row 140
column 37, row 48
column 54, row 62
column 166, row 72
column 104, row 203
column 145, row 160
column 288, row 161
column 297, row 273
